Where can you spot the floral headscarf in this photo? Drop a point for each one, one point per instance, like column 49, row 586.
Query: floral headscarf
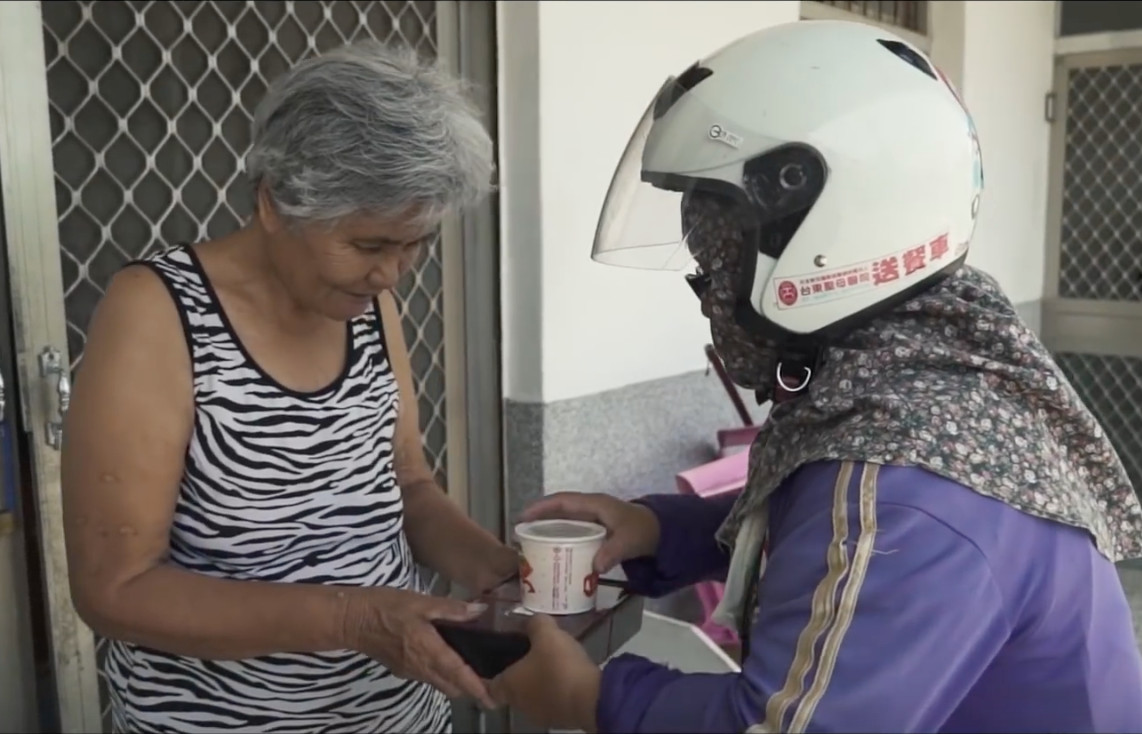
column 952, row 381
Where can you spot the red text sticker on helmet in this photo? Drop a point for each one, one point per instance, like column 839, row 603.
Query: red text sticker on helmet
column 824, row 286
column 787, row 292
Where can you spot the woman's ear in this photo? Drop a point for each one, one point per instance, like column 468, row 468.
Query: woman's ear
column 265, row 210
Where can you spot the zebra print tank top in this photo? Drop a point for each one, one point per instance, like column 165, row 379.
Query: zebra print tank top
column 279, row 486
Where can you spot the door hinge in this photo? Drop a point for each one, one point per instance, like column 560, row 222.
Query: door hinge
column 1049, row 107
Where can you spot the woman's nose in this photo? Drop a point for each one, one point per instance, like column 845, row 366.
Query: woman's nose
column 386, row 273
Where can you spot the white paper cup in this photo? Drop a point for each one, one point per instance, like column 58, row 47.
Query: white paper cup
column 555, row 566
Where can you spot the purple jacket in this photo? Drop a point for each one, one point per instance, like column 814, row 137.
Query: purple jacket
column 947, row 611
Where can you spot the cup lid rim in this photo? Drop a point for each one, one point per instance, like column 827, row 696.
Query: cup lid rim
column 592, row 531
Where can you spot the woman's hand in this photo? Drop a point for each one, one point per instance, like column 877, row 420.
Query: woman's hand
column 495, row 564
column 394, row 627
column 632, row 529
column 556, row 685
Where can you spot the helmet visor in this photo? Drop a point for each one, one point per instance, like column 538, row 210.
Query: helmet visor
column 676, row 155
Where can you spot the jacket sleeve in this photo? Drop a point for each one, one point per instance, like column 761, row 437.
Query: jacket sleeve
column 687, row 550
column 871, row 618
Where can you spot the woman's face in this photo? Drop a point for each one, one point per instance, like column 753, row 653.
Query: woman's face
column 339, row 270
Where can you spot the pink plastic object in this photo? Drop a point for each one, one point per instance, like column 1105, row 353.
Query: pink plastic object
column 715, row 478
column 733, row 440
column 720, row 476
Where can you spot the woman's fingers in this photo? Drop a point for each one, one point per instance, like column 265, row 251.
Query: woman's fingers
column 600, row 508
column 610, row 554
column 568, row 506
column 472, row 686
column 454, row 610
column 442, row 684
column 454, row 674
column 538, row 625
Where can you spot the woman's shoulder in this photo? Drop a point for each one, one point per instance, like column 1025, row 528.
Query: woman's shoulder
column 908, row 503
column 135, row 357
column 138, row 305
column 139, row 285
column 176, row 264
column 901, row 493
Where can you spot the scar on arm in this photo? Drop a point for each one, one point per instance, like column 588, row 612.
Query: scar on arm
column 84, row 520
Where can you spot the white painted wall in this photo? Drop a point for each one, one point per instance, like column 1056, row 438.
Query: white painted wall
column 575, row 77
column 1008, row 67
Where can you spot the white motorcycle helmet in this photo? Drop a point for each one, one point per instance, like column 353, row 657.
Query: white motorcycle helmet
column 855, row 159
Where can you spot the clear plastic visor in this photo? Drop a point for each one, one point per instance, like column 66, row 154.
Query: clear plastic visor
column 688, row 153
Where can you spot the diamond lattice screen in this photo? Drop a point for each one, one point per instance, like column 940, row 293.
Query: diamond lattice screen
column 1100, row 254
column 150, row 106
column 1112, row 388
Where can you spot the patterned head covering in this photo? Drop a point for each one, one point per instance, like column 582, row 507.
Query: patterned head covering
column 952, row 381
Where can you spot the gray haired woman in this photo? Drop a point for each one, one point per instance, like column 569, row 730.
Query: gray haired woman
column 244, row 481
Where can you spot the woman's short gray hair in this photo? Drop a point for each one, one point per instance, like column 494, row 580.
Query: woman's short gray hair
column 369, row 129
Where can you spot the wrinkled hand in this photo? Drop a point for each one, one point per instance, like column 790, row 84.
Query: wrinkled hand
column 632, row 529
column 394, row 627
column 493, row 567
column 556, row 685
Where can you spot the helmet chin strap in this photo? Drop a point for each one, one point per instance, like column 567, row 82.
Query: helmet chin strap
column 806, row 376
column 795, row 370
column 798, row 357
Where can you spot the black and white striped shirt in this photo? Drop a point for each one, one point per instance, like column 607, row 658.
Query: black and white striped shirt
column 282, row 486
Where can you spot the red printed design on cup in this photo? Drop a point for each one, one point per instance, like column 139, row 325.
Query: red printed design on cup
column 525, row 571
column 590, row 584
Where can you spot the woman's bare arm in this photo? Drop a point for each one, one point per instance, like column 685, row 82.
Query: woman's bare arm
column 126, row 434
column 440, row 533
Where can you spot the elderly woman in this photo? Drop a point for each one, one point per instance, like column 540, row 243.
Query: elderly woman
column 931, row 510
column 245, row 486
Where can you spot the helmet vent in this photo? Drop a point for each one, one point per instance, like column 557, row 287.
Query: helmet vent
column 676, row 88
column 909, row 55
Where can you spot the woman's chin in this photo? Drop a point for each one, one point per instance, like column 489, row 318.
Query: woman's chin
column 348, row 307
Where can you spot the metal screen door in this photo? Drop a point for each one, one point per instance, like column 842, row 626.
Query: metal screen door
column 1092, row 318
column 150, row 109
column 139, row 147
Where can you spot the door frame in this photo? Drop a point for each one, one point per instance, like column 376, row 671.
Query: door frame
column 1084, row 326
column 466, row 44
column 31, row 228
column 471, row 244
column 18, row 664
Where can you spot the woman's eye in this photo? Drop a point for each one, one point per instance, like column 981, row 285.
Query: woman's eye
column 414, row 250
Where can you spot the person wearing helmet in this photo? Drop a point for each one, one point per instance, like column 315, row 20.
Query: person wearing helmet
column 927, row 537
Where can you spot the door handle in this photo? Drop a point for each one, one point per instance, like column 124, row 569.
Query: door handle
column 51, row 365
